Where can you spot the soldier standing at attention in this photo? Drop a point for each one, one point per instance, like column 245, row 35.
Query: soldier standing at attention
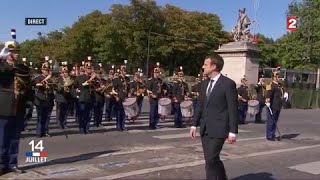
column 15, row 85
column 274, row 101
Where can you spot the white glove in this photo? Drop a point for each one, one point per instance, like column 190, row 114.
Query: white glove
column 4, row 53
column 268, row 104
column 286, row 96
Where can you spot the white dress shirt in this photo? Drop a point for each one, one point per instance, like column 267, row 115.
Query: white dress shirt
column 215, row 79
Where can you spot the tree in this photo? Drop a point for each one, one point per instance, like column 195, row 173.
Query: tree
column 301, row 47
column 177, row 37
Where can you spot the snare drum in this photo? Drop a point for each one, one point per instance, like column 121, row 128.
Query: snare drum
column 253, row 107
column 164, row 106
column 131, row 108
column 186, row 108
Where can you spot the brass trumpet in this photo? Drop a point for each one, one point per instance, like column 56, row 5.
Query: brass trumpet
column 68, row 83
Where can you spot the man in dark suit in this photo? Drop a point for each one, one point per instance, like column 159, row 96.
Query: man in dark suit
column 217, row 115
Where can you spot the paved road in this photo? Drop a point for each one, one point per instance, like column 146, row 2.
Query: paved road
column 169, row 153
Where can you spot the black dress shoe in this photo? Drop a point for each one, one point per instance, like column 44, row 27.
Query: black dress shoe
column 14, row 169
column 271, row 139
column 125, row 129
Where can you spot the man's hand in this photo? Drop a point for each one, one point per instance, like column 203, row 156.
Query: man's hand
column 231, row 138
column 193, row 131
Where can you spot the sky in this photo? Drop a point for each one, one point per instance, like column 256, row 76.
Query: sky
column 269, row 15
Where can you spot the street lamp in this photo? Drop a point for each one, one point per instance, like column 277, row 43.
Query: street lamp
column 149, row 32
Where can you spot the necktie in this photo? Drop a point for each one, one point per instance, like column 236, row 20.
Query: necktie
column 210, row 88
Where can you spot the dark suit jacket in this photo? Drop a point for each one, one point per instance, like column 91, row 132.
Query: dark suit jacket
column 217, row 115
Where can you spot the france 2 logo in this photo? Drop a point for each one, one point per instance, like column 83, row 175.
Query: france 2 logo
column 292, row 23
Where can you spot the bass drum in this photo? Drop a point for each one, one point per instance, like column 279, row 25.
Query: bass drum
column 186, row 109
column 164, row 106
column 253, row 107
column 131, row 108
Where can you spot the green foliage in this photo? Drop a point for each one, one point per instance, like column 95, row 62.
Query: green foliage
column 298, row 49
column 177, row 38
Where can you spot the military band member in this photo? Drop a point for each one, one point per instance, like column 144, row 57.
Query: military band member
column 83, row 83
column 154, row 91
column 109, row 100
column 63, row 96
column 243, row 97
column 14, row 89
column 120, row 88
column 125, row 78
column 261, row 91
column 137, row 90
column 72, row 103
column 43, row 100
column 274, row 101
column 76, row 91
column 98, row 100
column 164, row 89
column 179, row 93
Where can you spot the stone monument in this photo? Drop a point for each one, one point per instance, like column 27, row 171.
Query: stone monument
column 241, row 58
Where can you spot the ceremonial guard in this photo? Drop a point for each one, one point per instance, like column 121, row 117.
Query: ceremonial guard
column 243, row 97
column 44, row 99
column 179, row 93
column 83, row 83
column 14, row 89
column 195, row 90
column 274, row 102
column 261, row 91
column 120, row 92
column 154, row 91
column 63, row 96
column 99, row 100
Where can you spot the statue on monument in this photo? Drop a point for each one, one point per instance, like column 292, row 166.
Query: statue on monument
column 241, row 31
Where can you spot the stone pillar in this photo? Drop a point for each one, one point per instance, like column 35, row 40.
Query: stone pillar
column 240, row 59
